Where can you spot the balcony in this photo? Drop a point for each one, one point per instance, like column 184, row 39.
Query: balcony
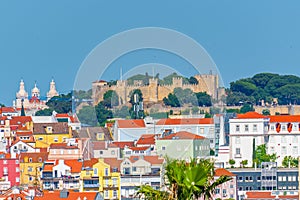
column 237, row 156
column 110, row 187
column 97, row 185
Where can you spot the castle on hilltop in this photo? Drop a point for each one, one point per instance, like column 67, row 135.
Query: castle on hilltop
column 154, row 92
column 35, row 102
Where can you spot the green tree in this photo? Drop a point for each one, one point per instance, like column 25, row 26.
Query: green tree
column 266, row 112
column 110, row 99
column 103, row 114
column 244, row 87
column 185, row 96
column 188, row 181
column 82, row 94
column 289, row 161
column 87, row 115
column 262, row 156
column 45, row 112
column 61, row 103
column 246, row 108
column 193, row 80
column 203, row 99
column 123, row 112
column 244, row 163
column 172, row 100
column 232, row 163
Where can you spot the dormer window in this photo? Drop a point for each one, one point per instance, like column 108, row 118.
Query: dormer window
column 30, row 160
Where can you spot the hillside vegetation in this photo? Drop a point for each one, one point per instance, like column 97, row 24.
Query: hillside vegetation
column 265, row 86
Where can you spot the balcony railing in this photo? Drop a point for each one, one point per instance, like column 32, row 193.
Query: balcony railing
column 97, row 185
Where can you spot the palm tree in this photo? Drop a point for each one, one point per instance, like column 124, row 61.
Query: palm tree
column 189, row 180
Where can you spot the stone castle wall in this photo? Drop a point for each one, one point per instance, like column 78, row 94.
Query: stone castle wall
column 155, row 92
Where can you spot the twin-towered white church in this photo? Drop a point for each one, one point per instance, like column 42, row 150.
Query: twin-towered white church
column 34, row 102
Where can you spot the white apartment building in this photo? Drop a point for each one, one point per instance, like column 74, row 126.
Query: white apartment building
column 247, row 130
column 284, row 136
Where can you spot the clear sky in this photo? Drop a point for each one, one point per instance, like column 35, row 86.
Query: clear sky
column 44, row 39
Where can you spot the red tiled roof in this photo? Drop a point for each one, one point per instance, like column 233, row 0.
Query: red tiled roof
column 37, row 157
column 71, row 195
column 20, row 120
column 75, row 165
column 139, row 148
column 284, row 118
column 26, row 132
column 146, row 139
column 90, row 163
column 223, row 172
column 48, row 167
column 62, row 146
column 267, row 195
column 113, row 162
column 183, row 135
column 188, row 121
column 7, row 110
column 251, row 115
column 121, row 144
column 99, row 145
column 154, row 160
column 131, row 123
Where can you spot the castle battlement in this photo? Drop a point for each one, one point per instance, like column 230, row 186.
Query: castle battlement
column 153, row 92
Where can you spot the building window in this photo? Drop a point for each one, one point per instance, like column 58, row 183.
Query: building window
column 55, row 139
column 295, row 139
column 247, row 128
column 272, row 139
column 100, row 152
column 237, row 140
column 237, row 128
column 30, row 178
column 134, row 169
column 283, row 127
column 217, row 191
column 289, row 178
column 17, row 161
column 115, row 169
column 240, row 188
column 283, row 139
column 106, row 193
column 40, row 138
column 17, row 179
column 106, row 172
column 255, row 128
column 295, row 150
column 17, row 169
column 224, row 192
column 4, row 162
column 163, row 148
column 294, row 178
column 238, row 151
column 115, row 193
column 115, row 182
column 113, row 152
column 284, row 178
column 279, row 178
column 29, row 169
column 30, row 160
column 95, row 171
column 283, row 150
column 272, row 127
column 258, row 178
column 201, row 130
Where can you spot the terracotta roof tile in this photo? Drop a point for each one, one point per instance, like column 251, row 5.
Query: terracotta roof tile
column 284, row 118
column 154, row 160
column 183, row 135
column 75, row 165
column 57, row 128
column 37, row 157
column 148, row 139
column 267, row 195
column 62, row 146
column 131, row 123
column 139, row 148
column 188, row 121
column 90, row 163
column 7, row 110
column 99, row 145
column 251, row 115
column 114, row 163
column 122, row 144
column 223, row 172
column 71, row 195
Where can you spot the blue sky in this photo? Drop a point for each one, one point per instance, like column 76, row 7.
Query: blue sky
column 41, row 40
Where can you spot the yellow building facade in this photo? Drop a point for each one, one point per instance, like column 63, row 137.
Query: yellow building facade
column 96, row 175
column 49, row 133
column 30, row 168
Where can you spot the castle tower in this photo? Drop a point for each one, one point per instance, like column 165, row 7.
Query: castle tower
column 52, row 92
column 22, row 94
column 35, row 92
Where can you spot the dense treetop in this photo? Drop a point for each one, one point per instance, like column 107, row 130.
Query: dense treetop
column 265, row 86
